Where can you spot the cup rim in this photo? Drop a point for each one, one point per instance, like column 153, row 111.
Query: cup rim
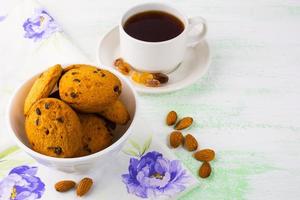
column 185, row 21
column 110, row 148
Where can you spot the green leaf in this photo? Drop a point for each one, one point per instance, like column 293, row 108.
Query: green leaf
column 130, row 152
column 8, row 151
column 146, row 145
column 135, row 145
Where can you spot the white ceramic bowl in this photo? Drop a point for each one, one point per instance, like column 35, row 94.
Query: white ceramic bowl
column 15, row 120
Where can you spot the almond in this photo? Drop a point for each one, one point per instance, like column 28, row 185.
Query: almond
column 64, row 185
column 205, row 170
column 162, row 78
column 184, row 123
column 190, row 143
column 171, row 118
column 176, row 139
column 205, row 155
column 84, row 186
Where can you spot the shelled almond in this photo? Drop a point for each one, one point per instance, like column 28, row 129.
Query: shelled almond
column 84, row 186
column 205, row 170
column 184, row 123
column 162, row 78
column 64, row 185
column 189, row 142
column 171, row 118
column 176, row 139
column 205, row 155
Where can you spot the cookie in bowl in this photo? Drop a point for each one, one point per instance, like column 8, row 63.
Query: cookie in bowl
column 117, row 113
column 96, row 135
column 43, row 86
column 89, row 89
column 53, row 128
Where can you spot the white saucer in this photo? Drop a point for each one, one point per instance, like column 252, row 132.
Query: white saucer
column 193, row 67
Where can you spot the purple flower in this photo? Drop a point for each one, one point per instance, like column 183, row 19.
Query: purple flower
column 154, row 175
column 21, row 183
column 41, row 25
column 2, row 18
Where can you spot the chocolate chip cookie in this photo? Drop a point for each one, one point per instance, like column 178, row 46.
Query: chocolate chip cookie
column 53, row 128
column 43, row 86
column 95, row 134
column 117, row 113
column 89, row 89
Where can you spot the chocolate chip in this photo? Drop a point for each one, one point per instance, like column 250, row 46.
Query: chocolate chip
column 47, row 131
column 61, row 137
column 76, row 80
column 89, row 139
column 74, row 95
column 32, row 144
column 86, row 147
column 37, row 122
column 66, row 94
column 73, row 73
column 38, row 111
column 47, row 105
column 57, row 150
column 117, row 89
column 60, row 119
column 102, row 74
column 95, row 71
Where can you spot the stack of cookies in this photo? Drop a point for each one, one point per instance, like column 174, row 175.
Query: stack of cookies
column 70, row 112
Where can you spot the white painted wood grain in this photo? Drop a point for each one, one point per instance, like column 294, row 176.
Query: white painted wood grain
column 249, row 100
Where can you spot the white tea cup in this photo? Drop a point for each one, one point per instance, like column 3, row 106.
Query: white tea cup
column 162, row 56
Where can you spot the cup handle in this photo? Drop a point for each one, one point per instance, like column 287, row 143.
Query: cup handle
column 198, row 35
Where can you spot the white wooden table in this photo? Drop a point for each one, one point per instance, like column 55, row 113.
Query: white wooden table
column 247, row 107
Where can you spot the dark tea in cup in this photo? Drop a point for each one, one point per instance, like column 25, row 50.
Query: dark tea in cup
column 153, row 26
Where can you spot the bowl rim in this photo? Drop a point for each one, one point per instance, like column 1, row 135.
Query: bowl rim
column 112, row 147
